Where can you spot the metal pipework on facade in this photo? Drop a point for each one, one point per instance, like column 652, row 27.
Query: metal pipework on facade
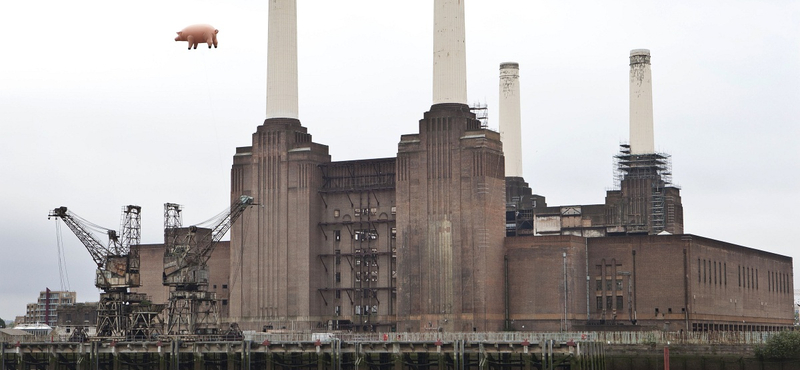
column 449, row 52
column 510, row 118
column 282, row 60
column 641, row 103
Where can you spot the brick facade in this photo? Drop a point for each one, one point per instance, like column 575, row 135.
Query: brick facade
column 450, row 224
column 665, row 282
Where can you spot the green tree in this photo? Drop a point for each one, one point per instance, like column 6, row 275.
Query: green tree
column 2, row 323
column 781, row 346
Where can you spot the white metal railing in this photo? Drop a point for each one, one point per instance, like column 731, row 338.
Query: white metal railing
column 630, row 337
column 505, row 337
column 659, row 337
column 626, row 337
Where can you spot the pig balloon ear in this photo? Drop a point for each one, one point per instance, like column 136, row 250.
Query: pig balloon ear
column 179, row 32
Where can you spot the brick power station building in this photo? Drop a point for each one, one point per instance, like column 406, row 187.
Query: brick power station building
column 447, row 236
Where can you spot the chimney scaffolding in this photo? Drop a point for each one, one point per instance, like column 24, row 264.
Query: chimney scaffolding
column 647, row 176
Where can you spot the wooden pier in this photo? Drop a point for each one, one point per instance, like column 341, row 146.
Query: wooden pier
column 390, row 351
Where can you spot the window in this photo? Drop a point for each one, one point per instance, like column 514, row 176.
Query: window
column 336, row 213
column 338, row 294
column 619, row 302
column 224, row 302
column 619, row 284
column 337, row 235
column 224, row 286
column 363, row 235
column 394, row 233
column 599, row 285
column 609, row 303
column 394, row 210
column 599, row 303
column 338, row 256
column 715, row 272
column 358, row 276
column 704, row 271
column 338, row 277
column 608, row 285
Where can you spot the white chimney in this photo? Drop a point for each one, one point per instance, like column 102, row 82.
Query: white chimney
column 641, row 104
column 510, row 121
column 449, row 52
column 282, row 59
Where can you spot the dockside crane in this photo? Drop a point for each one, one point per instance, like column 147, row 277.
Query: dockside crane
column 192, row 309
column 120, row 313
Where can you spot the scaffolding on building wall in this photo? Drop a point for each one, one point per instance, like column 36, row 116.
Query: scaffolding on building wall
column 481, row 111
column 363, row 236
column 653, row 171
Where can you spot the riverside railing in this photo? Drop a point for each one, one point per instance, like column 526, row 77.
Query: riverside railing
column 631, row 337
column 626, row 337
column 660, row 337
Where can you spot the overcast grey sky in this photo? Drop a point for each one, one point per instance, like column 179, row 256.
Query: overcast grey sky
column 100, row 108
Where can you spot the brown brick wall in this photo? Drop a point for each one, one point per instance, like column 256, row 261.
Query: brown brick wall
column 152, row 268
column 273, row 256
column 655, row 280
column 450, row 224
column 536, row 282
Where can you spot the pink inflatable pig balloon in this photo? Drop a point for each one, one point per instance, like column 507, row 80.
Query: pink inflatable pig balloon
column 198, row 33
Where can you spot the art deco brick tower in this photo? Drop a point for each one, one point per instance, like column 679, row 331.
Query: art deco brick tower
column 450, row 202
column 271, row 258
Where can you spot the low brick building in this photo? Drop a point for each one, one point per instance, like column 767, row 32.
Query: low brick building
column 152, row 268
column 666, row 282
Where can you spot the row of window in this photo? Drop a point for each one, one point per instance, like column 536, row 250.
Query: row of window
column 716, row 273
column 778, row 282
column 358, row 310
column 712, row 272
column 609, row 284
column 367, row 276
column 609, row 303
column 358, row 212
column 363, row 275
column 735, row 327
column 748, row 277
column 363, row 235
